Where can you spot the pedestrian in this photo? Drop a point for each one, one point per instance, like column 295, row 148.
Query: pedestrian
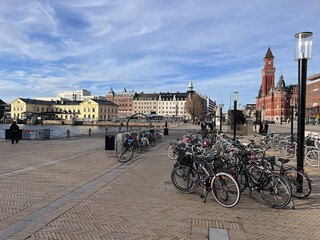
column 260, row 128
column 265, row 127
column 203, row 125
column 14, row 129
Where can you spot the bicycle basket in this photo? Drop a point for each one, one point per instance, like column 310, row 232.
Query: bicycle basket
column 183, row 159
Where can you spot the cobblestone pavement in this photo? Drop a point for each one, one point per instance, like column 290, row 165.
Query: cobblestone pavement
column 74, row 189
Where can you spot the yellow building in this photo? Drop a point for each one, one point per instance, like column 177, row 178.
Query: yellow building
column 88, row 110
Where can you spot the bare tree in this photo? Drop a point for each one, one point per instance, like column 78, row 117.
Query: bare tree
column 195, row 106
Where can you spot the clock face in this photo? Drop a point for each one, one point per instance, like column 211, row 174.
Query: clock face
column 269, row 63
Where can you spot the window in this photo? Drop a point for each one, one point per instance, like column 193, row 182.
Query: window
column 315, row 87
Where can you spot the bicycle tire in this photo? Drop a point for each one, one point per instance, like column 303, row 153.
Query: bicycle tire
column 242, row 179
column 152, row 142
column 171, row 151
column 225, row 189
column 124, row 155
column 184, row 179
column 276, row 191
column 298, row 190
column 287, row 150
column 312, row 158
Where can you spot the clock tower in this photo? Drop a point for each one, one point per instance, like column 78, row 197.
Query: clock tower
column 268, row 73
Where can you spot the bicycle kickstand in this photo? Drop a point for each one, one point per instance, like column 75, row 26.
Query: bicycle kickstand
column 206, row 195
column 292, row 204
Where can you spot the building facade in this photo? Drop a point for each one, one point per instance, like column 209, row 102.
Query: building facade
column 4, row 111
column 172, row 105
column 273, row 102
column 124, row 100
column 145, row 103
column 78, row 95
column 313, row 99
column 88, row 110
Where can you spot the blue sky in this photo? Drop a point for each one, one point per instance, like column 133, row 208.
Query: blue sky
column 49, row 46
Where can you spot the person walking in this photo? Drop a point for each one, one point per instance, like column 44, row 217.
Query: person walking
column 265, row 128
column 260, row 128
column 14, row 129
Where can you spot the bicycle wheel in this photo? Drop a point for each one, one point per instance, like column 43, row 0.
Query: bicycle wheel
column 185, row 179
column 172, row 149
column 276, row 190
column 287, row 150
column 274, row 144
column 225, row 189
column 124, row 154
column 312, row 158
column 299, row 190
column 242, row 179
column 152, row 142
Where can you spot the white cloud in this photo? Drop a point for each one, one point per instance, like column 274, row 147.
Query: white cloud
column 50, row 46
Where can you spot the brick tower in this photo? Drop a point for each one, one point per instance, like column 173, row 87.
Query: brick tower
column 268, row 73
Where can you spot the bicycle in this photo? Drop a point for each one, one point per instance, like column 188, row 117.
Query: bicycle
column 312, row 153
column 190, row 172
column 274, row 188
column 313, row 157
column 300, row 182
column 125, row 153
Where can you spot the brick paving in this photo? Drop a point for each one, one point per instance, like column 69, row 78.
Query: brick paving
column 74, row 189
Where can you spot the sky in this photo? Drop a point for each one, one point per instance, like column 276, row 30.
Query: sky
column 51, row 46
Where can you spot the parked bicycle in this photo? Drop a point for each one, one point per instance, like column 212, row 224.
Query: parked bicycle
column 190, row 172
column 300, row 181
column 274, row 188
column 125, row 152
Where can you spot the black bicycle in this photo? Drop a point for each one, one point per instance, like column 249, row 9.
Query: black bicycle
column 125, row 153
column 274, row 188
column 191, row 172
column 300, row 181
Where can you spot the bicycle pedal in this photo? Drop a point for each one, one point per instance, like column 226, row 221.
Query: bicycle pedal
column 202, row 196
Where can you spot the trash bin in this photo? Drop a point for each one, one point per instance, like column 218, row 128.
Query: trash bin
column 166, row 131
column 8, row 134
column 109, row 142
column 44, row 134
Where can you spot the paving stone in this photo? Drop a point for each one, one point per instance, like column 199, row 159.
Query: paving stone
column 93, row 196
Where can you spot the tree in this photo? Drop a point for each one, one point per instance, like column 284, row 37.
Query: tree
column 195, row 106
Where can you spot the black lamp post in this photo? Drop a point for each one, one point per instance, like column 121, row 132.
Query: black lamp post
column 235, row 99
column 292, row 112
column 221, row 106
column 303, row 52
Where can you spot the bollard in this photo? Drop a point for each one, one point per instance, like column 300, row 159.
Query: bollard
column 68, row 133
column 89, row 131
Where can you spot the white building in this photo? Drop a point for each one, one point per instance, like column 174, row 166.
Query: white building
column 172, row 104
column 78, row 95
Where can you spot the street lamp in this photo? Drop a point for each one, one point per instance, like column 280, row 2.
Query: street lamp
column 303, row 52
column 221, row 106
column 235, row 99
column 292, row 103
